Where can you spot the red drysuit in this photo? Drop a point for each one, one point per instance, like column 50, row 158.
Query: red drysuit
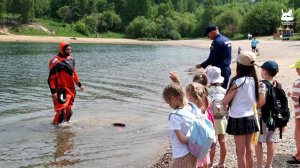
column 62, row 80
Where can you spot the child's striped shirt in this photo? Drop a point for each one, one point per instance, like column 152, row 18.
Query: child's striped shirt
column 295, row 97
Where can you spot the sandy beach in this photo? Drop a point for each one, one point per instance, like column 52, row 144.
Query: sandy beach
column 284, row 53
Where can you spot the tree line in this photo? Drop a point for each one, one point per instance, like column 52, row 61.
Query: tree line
column 163, row 19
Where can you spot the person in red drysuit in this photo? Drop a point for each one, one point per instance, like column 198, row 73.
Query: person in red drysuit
column 62, row 79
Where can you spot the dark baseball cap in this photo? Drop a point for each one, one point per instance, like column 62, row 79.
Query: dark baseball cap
column 270, row 66
column 210, row 28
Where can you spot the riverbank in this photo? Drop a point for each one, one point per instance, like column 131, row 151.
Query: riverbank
column 285, row 53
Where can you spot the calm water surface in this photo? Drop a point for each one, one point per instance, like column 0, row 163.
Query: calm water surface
column 123, row 84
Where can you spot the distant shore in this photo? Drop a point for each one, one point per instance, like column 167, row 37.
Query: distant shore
column 284, row 53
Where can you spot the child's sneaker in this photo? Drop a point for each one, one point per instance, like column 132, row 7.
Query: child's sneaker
column 293, row 160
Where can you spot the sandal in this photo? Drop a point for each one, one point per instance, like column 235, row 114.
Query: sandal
column 293, row 161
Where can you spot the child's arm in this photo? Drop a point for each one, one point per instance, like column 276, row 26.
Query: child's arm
column 262, row 95
column 174, row 76
column 295, row 94
column 183, row 139
column 230, row 94
column 175, row 125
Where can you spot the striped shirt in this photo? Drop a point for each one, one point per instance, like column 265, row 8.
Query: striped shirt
column 295, row 97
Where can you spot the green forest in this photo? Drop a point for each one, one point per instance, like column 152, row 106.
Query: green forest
column 149, row 19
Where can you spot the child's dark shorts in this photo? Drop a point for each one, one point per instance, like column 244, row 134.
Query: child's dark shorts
column 242, row 126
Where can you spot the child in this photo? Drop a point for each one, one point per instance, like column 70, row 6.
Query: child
column 197, row 94
column 216, row 92
column 254, row 45
column 174, row 96
column 268, row 70
column 241, row 98
column 295, row 97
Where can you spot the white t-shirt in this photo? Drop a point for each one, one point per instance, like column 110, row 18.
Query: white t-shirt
column 179, row 123
column 243, row 102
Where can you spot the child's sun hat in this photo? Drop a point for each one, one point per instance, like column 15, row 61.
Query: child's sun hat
column 214, row 75
column 246, row 58
column 295, row 65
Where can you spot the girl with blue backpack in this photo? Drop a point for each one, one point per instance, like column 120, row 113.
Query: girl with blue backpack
column 196, row 95
column 241, row 97
column 173, row 94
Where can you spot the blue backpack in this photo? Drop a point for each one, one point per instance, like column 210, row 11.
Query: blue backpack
column 201, row 131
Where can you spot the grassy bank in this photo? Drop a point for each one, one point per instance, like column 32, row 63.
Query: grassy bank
column 47, row 27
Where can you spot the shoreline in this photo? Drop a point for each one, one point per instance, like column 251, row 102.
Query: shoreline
column 203, row 43
column 284, row 53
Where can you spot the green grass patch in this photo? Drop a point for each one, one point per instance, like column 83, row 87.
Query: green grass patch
column 295, row 37
column 238, row 37
column 59, row 28
column 68, row 29
column 109, row 35
column 24, row 30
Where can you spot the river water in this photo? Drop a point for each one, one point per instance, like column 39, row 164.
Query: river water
column 123, row 84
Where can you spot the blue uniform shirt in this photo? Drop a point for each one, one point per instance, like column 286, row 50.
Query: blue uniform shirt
column 220, row 53
column 220, row 56
column 254, row 43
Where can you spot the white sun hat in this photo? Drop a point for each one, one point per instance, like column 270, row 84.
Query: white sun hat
column 214, row 75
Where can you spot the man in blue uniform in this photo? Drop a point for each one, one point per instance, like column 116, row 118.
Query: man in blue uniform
column 220, row 53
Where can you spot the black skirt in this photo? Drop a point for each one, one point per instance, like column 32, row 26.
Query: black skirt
column 242, row 126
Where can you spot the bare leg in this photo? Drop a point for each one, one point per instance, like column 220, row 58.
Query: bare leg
column 297, row 138
column 212, row 153
column 259, row 155
column 223, row 149
column 240, row 143
column 249, row 151
column 270, row 153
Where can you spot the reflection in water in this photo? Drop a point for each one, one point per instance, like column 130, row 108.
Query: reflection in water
column 64, row 140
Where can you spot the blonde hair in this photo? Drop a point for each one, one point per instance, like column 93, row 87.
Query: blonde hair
column 173, row 90
column 198, row 92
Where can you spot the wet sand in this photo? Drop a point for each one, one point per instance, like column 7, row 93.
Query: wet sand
column 284, row 53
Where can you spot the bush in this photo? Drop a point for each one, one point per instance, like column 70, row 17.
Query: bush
column 187, row 25
column 109, row 21
column 91, row 23
column 150, row 30
column 167, row 28
column 81, row 28
column 228, row 22
column 134, row 29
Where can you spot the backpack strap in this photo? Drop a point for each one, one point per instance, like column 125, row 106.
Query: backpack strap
column 267, row 83
column 270, row 85
column 185, row 113
column 280, row 132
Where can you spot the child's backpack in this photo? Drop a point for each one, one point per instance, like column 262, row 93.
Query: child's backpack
column 275, row 112
column 201, row 131
column 217, row 109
